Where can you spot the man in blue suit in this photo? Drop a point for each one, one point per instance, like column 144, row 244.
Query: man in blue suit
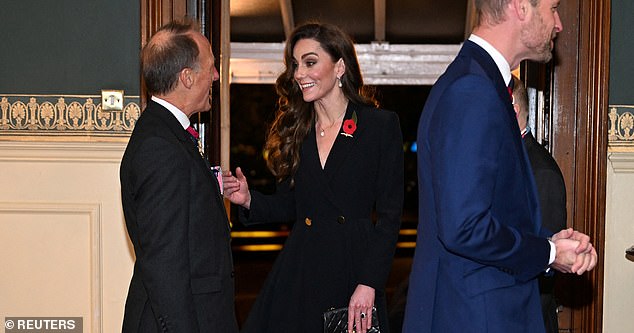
column 480, row 245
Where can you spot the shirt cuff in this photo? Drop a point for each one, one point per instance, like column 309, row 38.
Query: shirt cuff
column 553, row 252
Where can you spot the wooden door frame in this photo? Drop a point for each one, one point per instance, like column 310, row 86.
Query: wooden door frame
column 154, row 14
column 579, row 141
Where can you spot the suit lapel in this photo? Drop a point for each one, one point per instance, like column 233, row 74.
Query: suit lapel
column 343, row 143
column 311, row 164
column 181, row 134
column 338, row 154
column 168, row 119
column 492, row 71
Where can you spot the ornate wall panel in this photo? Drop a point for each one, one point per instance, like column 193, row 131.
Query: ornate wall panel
column 57, row 115
column 621, row 127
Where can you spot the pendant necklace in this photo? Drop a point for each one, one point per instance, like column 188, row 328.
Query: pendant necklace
column 322, row 131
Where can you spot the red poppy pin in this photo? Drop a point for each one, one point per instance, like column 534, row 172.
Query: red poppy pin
column 350, row 125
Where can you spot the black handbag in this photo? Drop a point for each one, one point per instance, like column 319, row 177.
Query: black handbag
column 336, row 321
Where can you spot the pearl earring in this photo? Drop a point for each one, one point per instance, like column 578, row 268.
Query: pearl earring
column 339, row 84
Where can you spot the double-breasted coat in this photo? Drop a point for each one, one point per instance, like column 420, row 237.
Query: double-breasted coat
column 346, row 222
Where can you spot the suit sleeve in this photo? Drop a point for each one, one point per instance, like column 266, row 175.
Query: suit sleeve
column 389, row 191
column 471, row 157
column 162, row 195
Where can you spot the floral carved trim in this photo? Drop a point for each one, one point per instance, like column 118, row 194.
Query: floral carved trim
column 24, row 115
column 621, row 129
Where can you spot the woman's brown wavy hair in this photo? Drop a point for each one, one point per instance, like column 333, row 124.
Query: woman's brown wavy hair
column 294, row 117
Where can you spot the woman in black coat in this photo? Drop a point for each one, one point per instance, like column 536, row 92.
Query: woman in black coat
column 339, row 163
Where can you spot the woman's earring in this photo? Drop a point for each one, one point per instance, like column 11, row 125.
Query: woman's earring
column 340, row 84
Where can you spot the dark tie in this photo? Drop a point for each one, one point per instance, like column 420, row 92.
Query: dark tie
column 510, row 89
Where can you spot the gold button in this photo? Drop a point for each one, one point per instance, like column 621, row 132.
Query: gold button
column 308, row 222
column 341, row 220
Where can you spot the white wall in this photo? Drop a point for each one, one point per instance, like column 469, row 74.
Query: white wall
column 65, row 251
column 618, row 302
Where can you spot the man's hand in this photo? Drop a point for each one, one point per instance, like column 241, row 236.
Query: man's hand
column 565, row 254
column 579, row 260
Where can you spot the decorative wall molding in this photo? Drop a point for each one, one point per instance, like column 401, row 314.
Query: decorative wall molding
column 65, row 115
column 62, row 151
column 381, row 63
column 92, row 211
column 621, row 130
column 622, row 162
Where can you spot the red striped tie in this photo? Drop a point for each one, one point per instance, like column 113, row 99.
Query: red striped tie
column 193, row 132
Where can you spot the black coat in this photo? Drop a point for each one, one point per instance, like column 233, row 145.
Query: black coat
column 552, row 199
column 334, row 244
column 183, row 279
column 551, row 188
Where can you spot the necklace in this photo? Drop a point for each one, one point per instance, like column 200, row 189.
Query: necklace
column 322, row 130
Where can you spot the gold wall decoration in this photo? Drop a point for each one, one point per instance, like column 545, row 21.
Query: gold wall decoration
column 621, row 126
column 65, row 115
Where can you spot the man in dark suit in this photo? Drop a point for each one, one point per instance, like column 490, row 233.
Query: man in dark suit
column 480, row 244
column 551, row 191
column 175, row 216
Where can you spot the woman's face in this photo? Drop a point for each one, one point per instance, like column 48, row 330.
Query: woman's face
column 314, row 70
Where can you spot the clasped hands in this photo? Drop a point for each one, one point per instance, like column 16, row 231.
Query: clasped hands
column 575, row 254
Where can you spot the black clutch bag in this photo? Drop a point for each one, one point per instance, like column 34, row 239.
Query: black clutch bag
column 336, row 321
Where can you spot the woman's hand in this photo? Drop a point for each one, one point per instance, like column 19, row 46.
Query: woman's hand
column 360, row 309
column 236, row 188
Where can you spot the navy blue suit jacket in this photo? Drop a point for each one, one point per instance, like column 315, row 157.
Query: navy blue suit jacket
column 480, row 246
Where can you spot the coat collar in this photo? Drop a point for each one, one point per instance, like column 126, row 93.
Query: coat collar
column 343, row 143
column 175, row 127
column 491, row 69
column 170, row 121
column 339, row 152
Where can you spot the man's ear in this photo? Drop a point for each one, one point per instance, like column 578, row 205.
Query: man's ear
column 520, row 8
column 516, row 108
column 186, row 77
